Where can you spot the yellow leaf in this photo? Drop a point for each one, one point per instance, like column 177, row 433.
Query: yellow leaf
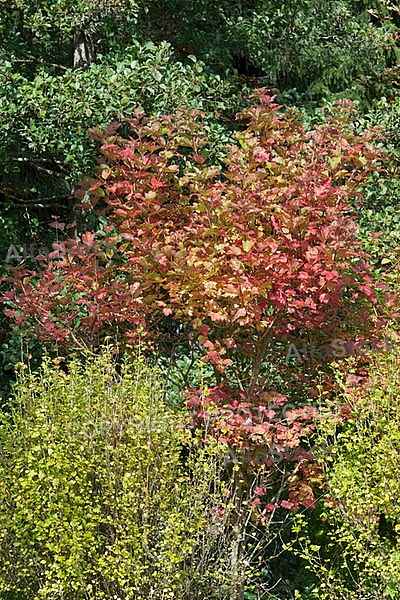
column 334, row 162
column 340, row 174
column 247, row 245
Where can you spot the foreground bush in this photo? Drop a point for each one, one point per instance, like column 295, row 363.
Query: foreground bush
column 356, row 552
column 104, row 495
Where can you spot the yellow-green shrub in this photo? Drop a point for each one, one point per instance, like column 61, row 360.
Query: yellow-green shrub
column 98, row 499
column 359, row 556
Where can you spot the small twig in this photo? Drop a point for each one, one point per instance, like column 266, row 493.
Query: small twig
column 32, row 59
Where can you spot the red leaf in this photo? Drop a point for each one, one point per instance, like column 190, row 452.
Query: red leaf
column 156, row 183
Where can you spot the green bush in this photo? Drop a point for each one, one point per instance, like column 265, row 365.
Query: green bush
column 47, row 118
column 359, row 555
column 103, row 494
column 379, row 223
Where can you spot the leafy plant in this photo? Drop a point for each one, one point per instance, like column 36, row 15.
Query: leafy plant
column 104, row 492
column 225, row 261
column 224, row 264
column 359, row 557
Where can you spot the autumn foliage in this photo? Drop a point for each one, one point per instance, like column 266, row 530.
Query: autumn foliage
column 265, row 247
column 230, row 258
